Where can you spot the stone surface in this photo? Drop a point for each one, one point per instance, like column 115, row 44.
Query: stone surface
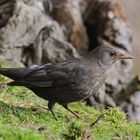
column 68, row 15
column 20, row 37
column 6, row 11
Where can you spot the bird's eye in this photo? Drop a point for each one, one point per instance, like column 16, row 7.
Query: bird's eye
column 113, row 54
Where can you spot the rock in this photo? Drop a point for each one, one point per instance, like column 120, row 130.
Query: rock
column 6, row 11
column 68, row 15
column 31, row 43
column 54, row 47
column 134, row 107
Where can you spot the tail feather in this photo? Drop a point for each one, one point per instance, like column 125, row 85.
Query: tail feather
column 18, row 83
column 18, row 74
column 13, row 73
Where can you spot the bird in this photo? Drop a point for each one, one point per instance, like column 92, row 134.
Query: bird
column 70, row 80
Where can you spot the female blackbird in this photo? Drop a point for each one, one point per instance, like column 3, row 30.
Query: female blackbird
column 67, row 81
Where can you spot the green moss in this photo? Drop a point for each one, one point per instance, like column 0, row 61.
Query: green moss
column 8, row 132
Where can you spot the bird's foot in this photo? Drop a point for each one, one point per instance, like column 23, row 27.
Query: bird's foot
column 50, row 107
column 74, row 113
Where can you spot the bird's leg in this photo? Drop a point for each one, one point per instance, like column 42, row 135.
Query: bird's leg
column 74, row 113
column 50, row 107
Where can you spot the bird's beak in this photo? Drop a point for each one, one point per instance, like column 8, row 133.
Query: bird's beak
column 124, row 56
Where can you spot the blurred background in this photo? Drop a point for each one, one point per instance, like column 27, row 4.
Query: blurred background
column 132, row 9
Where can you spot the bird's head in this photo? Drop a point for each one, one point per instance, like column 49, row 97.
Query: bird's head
column 109, row 55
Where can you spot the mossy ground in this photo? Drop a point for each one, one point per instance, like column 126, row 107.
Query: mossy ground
column 22, row 118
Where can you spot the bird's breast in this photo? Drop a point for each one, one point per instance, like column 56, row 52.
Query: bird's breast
column 91, row 86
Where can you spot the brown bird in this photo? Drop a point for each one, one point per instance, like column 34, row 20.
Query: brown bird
column 67, row 81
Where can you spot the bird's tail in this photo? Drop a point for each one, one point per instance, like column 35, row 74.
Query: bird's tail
column 18, row 74
column 19, row 83
column 14, row 73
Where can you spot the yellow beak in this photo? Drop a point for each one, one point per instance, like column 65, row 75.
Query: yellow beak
column 124, row 56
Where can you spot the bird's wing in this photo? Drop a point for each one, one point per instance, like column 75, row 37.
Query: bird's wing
column 48, row 76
